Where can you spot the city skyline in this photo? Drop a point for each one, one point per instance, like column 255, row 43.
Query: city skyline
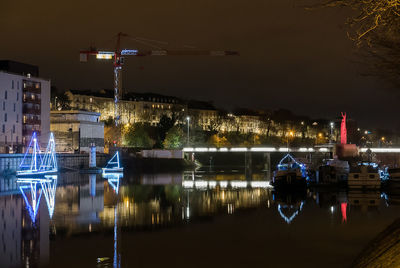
column 305, row 54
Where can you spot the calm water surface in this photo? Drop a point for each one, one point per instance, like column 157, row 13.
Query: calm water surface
column 183, row 220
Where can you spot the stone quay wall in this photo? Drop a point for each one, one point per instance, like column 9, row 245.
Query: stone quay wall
column 11, row 162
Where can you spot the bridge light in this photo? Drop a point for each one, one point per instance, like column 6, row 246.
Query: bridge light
column 239, row 149
column 263, row 149
column 223, row 184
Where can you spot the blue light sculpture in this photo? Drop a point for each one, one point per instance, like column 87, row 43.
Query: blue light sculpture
column 31, row 165
column 114, row 165
column 35, row 165
column 49, row 161
column 294, row 164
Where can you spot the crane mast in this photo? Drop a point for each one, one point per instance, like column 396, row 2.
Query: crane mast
column 118, row 55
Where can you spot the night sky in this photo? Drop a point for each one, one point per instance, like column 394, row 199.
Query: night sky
column 290, row 58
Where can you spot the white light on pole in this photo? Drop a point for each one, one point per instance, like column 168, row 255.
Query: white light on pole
column 188, row 123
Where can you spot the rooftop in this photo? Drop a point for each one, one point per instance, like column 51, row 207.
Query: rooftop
column 130, row 96
column 19, row 68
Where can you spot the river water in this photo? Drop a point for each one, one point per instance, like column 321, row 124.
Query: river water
column 189, row 219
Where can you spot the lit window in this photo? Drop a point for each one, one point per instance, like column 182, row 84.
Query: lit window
column 91, row 100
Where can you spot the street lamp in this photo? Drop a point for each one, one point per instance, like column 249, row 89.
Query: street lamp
column 291, row 134
column 188, row 121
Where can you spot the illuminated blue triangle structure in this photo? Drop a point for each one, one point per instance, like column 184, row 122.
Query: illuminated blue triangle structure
column 49, row 187
column 113, row 180
column 32, row 204
column 114, row 165
column 30, row 165
column 49, row 161
column 34, row 164
column 292, row 163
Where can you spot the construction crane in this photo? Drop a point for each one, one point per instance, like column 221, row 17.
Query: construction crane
column 118, row 55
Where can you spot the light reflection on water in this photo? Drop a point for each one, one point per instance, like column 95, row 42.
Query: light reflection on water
column 79, row 204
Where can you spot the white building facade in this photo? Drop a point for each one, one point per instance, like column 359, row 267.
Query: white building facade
column 24, row 108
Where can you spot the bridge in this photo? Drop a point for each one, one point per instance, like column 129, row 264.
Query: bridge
column 279, row 149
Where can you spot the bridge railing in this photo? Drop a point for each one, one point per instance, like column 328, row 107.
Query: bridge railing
column 281, row 149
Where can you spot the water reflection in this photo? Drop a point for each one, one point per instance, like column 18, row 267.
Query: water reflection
column 113, row 180
column 47, row 185
column 88, row 203
column 25, row 221
column 290, row 204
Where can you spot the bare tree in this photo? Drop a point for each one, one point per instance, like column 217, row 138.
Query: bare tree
column 375, row 29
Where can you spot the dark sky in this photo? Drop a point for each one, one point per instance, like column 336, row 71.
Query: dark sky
column 290, row 58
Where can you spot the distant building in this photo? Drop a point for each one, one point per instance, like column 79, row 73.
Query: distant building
column 133, row 107
column 77, row 131
column 24, row 106
column 204, row 114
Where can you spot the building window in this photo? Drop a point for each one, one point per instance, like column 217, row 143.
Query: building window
column 17, row 96
column 17, row 117
column 17, row 84
column 4, row 128
column 12, row 84
column 14, row 107
column 5, row 117
column 5, row 95
column 13, row 128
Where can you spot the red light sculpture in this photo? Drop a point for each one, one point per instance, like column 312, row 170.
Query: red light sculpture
column 343, row 130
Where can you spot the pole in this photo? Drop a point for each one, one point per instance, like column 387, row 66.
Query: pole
column 188, row 137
